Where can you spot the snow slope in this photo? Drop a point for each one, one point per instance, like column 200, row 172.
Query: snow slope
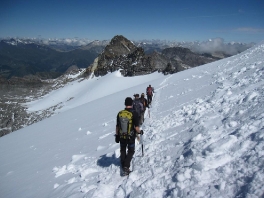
column 204, row 137
column 80, row 92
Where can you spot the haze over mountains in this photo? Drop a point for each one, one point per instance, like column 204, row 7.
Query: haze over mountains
column 209, row 46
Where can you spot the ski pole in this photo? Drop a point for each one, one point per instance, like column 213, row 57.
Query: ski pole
column 141, row 138
column 149, row 112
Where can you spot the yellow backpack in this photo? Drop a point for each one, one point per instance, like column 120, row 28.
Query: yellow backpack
column 125, row 124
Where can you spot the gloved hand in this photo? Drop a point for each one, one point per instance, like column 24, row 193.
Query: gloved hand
column 117, row 138
column 141, row 132
column 138, row 138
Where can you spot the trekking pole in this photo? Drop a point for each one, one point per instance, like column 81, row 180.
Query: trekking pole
column 141, row 139
column 149, row 112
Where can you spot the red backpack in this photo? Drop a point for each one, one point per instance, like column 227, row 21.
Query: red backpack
column 149, row 91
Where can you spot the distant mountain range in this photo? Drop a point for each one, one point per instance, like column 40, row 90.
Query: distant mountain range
column 209, row 46
column 20, row 58
column 51, row 58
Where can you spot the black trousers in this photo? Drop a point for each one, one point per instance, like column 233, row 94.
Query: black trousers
column 127, row 150
column 149, row 97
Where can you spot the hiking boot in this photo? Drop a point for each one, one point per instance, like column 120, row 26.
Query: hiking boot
column 122, row 164
column 126, row 171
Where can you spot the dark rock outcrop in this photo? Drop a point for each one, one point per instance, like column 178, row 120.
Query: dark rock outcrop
column 121, row 54
column 187, row 57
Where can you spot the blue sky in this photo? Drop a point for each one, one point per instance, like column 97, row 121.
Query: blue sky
column 175, row 20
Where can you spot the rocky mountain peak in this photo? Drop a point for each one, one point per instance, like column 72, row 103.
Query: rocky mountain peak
column 122, row 54
column 120, row 45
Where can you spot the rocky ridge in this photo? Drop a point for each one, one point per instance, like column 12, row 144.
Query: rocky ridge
column 123, row 54
column 16, row 92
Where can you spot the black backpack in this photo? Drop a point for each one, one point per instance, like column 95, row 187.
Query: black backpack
column 143, row 101
column 137, row 106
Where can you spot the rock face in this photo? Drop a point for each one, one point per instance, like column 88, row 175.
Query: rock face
column 182, row 58
column 13, row 115
column 122, row 54
column 187, row 57
column 16, row 91
column 164, row 64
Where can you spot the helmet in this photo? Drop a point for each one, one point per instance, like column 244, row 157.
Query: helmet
column 142, row 94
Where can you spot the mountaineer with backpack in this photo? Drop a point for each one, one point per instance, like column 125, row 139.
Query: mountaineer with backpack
column 127, row 129
column 149, row 92
column 138, row 107
column 144, row 101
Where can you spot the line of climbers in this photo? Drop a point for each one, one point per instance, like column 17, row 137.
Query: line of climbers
column 128, row 124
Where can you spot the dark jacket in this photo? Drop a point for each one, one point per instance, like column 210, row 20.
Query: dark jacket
column 146, row 103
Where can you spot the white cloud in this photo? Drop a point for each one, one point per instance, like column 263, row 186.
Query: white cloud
column 250, row 30
column 218, row 45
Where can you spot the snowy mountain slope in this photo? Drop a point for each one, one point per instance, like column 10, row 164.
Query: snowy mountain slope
column 204, row 138
column 78, row 92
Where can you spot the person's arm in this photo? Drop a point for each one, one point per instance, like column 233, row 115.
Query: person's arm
column 117, row 124
column 146, row 101
column 117, row 129
column 136, row 122
column 117, row 138
column 137, row 129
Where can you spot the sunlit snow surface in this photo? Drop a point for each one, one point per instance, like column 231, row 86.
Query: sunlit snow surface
column 203, row 137
column 77, row 93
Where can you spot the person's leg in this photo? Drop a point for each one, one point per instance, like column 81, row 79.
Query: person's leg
column 123, row 154
column 148, row 97
column 142, row 117
column 130, row 153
